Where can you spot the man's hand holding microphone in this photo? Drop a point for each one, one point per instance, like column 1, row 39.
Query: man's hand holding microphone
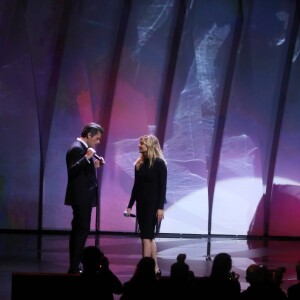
column 99, row 160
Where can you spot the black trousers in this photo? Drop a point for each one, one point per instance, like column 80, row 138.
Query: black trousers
column 81, row 223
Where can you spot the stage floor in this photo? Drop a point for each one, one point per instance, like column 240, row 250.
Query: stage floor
column 20, row 253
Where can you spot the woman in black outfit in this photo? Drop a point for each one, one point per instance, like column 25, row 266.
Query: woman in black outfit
column 149, row 193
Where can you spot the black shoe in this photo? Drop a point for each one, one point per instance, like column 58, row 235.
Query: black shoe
column 158, row 274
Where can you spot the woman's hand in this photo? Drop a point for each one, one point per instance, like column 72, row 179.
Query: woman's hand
column 159, row 215
column 127, row 212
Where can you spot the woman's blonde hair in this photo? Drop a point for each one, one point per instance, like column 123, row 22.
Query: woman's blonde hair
column 153, row 150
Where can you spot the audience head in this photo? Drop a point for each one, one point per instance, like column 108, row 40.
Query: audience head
column 222, row 265
column 262, row 274
column 145, row 268
column 180, row 270
column 93, row 259
column 275, row 276
column 255, row 274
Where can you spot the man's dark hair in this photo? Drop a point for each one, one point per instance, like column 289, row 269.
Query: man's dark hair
column 92, row 128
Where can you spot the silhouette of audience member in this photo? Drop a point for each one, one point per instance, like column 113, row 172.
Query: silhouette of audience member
column 293, row 291
column 180, row 271
column 262, row 284
column 96, row 277
column 274, row 280
column 276, row 275
column 181, row 283
column 255, row 276
column 143, row 284
column 222, row 283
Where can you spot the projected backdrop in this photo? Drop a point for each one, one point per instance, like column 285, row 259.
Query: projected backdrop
column 216, row 81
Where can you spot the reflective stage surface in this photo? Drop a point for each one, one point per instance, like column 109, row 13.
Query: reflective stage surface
column 19, row 253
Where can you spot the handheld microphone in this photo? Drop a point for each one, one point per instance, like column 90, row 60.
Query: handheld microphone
column 100, row 158
column 126, row 214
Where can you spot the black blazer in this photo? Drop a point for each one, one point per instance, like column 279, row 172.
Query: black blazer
column 82, row 186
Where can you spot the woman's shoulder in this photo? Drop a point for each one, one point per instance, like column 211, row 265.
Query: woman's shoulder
column 160, row 164
column 160, row 161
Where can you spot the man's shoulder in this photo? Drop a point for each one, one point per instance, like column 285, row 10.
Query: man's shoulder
column 76, row 145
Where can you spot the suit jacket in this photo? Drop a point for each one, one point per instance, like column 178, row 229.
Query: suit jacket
column 82, row 186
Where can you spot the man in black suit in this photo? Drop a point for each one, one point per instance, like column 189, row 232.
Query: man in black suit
column 82, row 188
